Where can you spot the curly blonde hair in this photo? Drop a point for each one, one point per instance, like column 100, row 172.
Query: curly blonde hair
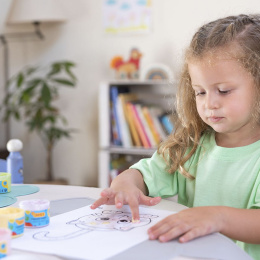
column 239, row 35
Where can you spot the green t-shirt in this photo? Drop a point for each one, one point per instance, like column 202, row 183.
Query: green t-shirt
column 223, row 176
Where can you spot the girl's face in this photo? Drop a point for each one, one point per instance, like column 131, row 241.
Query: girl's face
column 225, row 97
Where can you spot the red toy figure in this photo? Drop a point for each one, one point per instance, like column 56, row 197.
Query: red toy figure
column 127, row 69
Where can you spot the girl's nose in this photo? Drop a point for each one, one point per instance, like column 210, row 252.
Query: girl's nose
column 212, row 101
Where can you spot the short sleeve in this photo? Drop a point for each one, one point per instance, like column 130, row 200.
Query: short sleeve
column 254, row 200
column 255, row 204
column 158, row 181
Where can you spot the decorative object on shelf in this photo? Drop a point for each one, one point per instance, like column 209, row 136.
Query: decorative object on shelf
column 27, row 12
column 30, row 97
column 157, row 71
column 14, row 160
column 127, row 69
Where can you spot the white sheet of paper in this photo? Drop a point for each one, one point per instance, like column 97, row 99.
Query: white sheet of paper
column 90, row 234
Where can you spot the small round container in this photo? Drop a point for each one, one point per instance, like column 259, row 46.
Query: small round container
column 37, row 212
column 5, row 182
column 5, row 242
column 13, row 219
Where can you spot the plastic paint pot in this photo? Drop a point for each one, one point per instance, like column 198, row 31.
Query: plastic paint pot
column 36, row 212
column 13, row 219
column 5, row 182
column 5, row 242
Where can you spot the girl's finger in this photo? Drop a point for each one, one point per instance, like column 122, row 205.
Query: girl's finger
column 99, row 202
column 119, row 200
column 171, row 221
column 155, row 232
column 193, row 233
column 174, row 232
column 148, row 201
column 108, row 193
column 134, row 206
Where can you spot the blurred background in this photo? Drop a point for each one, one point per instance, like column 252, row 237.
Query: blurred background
column 82, row 36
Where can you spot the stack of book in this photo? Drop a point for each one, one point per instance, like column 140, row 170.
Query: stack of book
column 135, row 123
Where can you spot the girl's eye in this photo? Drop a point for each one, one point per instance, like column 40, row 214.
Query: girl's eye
column 200, row 93
column 224, row 91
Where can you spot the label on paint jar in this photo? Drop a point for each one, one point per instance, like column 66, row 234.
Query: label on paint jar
column 16, row 226
column 3, row 249
column 38, row 218
column 3, row 186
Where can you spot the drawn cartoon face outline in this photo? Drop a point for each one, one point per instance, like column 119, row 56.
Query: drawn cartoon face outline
column 110, row 220
column 107, row 220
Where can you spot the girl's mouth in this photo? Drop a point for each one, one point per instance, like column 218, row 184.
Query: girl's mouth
column 215, row 119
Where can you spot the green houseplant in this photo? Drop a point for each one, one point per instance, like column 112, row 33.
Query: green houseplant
column 31, row 96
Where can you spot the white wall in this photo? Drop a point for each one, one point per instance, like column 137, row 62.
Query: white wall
column 82, row 40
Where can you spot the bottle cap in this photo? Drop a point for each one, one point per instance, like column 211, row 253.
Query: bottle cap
column 14, row 145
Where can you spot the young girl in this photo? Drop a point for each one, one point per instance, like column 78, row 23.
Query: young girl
column 212, row 160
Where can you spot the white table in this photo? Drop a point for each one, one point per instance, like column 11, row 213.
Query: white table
column 66, row 198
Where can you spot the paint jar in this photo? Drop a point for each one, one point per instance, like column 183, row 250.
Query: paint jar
column 5, row 242
column 37, row 212
column 5, row 182
column 13, row 219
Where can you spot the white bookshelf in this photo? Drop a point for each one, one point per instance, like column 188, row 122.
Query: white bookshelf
column 155, row 92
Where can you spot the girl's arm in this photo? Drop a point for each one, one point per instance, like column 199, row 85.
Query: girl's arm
column 241, row 224
column 238, row 224
column 127, row 188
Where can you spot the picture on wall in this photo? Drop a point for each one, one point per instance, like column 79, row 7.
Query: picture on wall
column 127, row 16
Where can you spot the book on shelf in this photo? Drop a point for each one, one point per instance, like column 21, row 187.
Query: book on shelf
column 113, row 128
column 167, row 123
column 139, row 125
column 135, row 123
column 123, row 125
column 125, row 98
column 156, row 112
column 119, row 129
column 146, row 127
column 116, row 137
column 151, row 124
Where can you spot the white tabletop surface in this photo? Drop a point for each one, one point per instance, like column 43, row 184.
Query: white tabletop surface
column 58, row 192
column 61, row 192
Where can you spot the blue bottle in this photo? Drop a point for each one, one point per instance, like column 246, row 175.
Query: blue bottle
column 15, row 160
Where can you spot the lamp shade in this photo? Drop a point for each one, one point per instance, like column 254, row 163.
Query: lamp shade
column 29, row 11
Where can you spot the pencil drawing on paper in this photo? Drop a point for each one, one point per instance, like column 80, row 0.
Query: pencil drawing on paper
column 106, row 220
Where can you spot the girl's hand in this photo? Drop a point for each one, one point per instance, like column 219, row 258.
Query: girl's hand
column 133, row 197
column 127, row 188
column 188, row 224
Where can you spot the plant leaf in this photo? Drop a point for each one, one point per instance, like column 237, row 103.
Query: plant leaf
column 67, row 69
column 34, row 82
column 20, row 80
column 25, row 98
column 56, row 68
column 31, row 70
column 17, row 115
column 46, row 94
column 69, row 64
column 64, row 82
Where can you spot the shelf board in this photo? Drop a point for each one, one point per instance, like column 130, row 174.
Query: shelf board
column 141, row 82
column 130, row 151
